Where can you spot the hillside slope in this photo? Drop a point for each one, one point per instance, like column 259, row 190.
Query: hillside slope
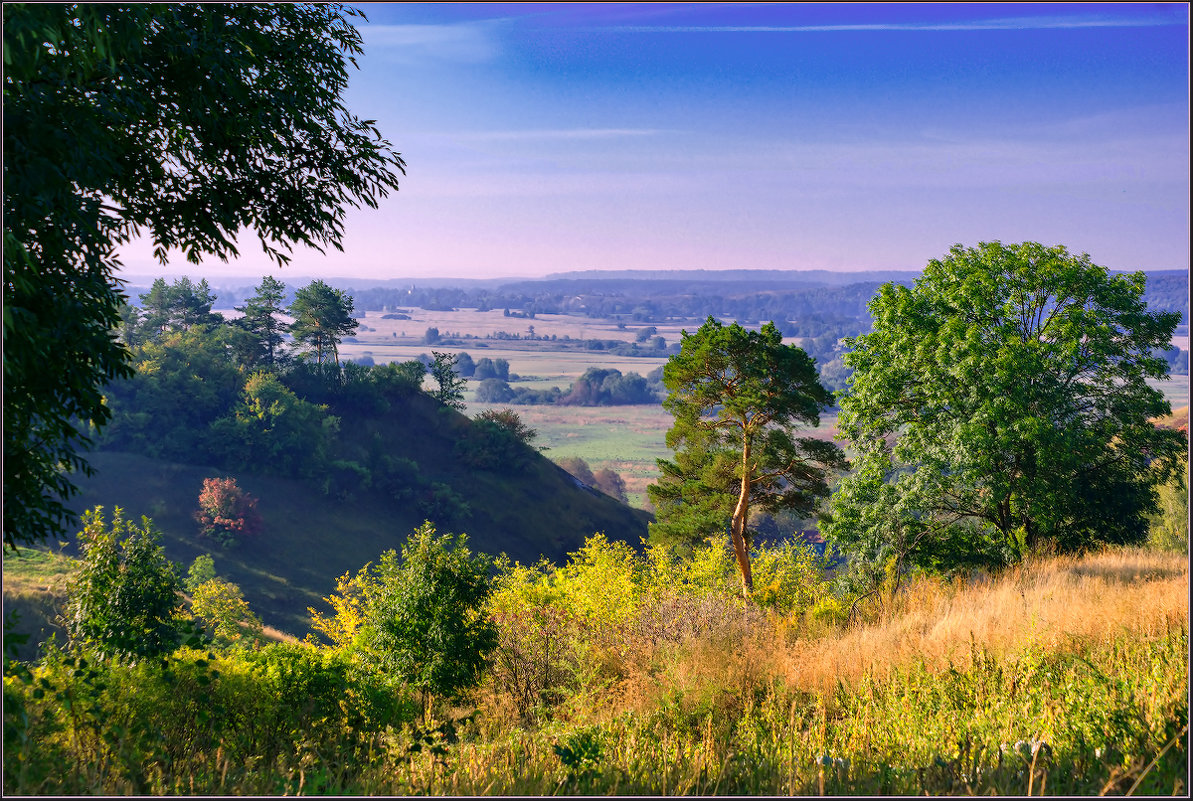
column 529, row 511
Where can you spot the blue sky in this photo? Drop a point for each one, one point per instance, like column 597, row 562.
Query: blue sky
column 544, row 138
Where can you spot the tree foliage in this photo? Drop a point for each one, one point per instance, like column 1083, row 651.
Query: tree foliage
column 322, row 318
column 123, row 600
column 220, row 606
column 736, row 395
column 226, row 512
column 450, row 386
column 260, row 318
column 1003, row 402
column 175, row 307
column 187, row 123
column 419, row 615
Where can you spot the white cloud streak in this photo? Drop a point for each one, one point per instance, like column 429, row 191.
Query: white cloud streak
column 468, row 43
column 1006, row 24
column 564, row 134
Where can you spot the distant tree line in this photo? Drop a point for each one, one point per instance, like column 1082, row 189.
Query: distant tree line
column 598, row 386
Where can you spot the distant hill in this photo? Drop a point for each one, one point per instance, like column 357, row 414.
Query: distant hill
column 311, row 538
column 768, row 278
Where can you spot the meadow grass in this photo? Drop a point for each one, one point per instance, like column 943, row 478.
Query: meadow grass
column 1062, row 676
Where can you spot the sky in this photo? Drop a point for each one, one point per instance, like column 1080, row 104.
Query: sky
column 543, row 138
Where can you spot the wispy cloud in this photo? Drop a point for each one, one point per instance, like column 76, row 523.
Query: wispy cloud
column 561, row 134
column 1004, row 24
column 470, row 43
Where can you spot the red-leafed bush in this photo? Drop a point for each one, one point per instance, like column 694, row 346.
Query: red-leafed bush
column 226, row 512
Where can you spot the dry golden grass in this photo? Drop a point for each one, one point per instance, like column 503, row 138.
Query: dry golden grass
column 1053, row 604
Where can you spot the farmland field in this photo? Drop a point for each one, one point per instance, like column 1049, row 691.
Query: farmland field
column 626, row 439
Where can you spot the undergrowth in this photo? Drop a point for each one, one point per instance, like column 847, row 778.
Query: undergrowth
column 628, row 674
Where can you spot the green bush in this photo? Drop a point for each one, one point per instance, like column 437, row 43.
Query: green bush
column 123, row 602
column 439, row 502
column 424, row 616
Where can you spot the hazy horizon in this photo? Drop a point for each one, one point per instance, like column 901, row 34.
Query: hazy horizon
column 556, row 138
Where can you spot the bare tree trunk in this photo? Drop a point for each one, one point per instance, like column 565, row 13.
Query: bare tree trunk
column 738, row 527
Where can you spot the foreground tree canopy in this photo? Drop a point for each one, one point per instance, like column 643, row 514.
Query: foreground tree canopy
column 736, row 395
column 188, row 123
column 1000, row 403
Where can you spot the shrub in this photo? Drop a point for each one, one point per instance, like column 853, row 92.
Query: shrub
column 397, row 476
column 123, row 600
column 578, row 468
column 534, row 661
column 344, row 477
column 610, row 483
column 510, row 421
column 201, row 570
column 225, row 613
column 442, row 503
column 497, row 439
column 424, row 613
column 1168, row 527
column 226, row 512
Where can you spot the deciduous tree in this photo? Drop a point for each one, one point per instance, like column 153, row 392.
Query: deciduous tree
column 736, row 396
column 123, row 601
column 226, row 512
column 1003, row 402
column 188, row 123
column 420, row 614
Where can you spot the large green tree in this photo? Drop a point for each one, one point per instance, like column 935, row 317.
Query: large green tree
column 737, row 395
column 260, row 317
column 185, row 122
column 322, row 318
column 1000, row 403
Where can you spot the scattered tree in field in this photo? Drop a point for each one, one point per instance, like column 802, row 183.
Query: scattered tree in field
column 322, row 318
column 492, row 368
column 465, row 366
column 736, row 394
column 1001, row 403
column 645, row 334
column 600, row 386
column 260, row 318
column 123, row 601
column 172, row 120
column 450, row 391
column 227, row 514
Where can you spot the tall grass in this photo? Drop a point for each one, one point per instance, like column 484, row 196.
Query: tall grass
column 628, row 674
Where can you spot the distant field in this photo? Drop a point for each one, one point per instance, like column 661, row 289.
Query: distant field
column 627, row 439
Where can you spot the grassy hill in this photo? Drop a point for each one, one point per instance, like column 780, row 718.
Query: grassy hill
column 311, row 537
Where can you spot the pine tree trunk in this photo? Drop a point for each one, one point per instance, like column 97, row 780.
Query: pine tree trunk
column 737, row 529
